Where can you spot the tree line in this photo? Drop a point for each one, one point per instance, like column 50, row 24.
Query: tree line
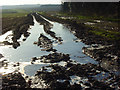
column 110, row 9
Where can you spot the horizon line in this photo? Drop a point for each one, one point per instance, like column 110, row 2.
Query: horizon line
column 31, row 4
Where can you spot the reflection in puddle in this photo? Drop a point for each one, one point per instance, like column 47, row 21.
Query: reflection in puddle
column 27, row 49
column 31, row 69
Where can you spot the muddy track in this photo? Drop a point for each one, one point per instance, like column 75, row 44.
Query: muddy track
column 61, row 71
column 21, row 28
column 47, row 27
column 82, row 32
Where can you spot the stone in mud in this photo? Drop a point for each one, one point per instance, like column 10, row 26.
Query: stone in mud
column 55, row 57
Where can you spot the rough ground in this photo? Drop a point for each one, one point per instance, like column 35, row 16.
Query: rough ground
column 101, row 48
column 64, row 73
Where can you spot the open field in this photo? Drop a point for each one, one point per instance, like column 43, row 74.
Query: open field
column 13, row 18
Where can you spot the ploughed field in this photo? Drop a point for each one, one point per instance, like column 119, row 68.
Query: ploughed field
column 37, row 52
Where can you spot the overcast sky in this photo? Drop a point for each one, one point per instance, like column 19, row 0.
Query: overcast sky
column 91, row 0
column 21, row 2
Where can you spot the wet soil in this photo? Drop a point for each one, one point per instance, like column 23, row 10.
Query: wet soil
column 19, row 28
column 45, row 43
column 63, row 72
column 73, row 75
column 82, row 32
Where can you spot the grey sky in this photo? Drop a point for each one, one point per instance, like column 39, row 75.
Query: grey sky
column 90, row 0
column 21, row 2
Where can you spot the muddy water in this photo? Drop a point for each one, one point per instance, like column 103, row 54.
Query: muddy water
column 27, row 49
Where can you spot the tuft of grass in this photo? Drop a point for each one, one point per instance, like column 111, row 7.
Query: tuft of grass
column 94, row 17
column 111, row 35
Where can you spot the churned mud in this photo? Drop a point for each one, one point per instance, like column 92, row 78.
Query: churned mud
column 57, row 70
